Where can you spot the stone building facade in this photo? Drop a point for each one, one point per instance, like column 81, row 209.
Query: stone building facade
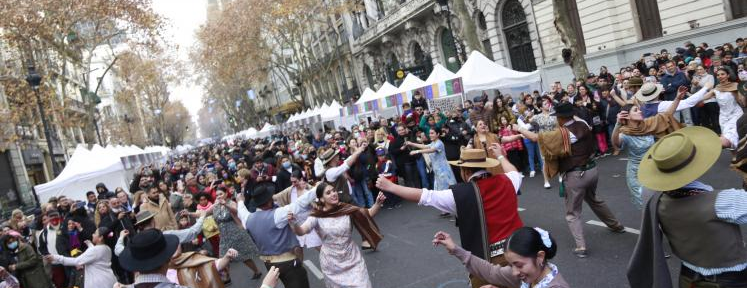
column 520, row 34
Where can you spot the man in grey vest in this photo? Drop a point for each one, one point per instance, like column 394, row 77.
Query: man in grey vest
column 334, row 173
column 701, row 225
column 268, row 225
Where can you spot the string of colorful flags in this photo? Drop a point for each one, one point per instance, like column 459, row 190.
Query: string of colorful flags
column 430, row 92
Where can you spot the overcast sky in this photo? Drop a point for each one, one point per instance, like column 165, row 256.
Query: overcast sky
column 184, row 17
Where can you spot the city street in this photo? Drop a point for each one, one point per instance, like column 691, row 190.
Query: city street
column 407, row 259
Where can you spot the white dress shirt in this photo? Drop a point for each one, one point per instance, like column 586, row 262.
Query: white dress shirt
column 685, row 103
column 301, row 204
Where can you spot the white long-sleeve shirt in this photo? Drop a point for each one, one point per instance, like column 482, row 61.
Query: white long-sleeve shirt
column 301, row 204
column 685, row 103
column 184, row 235
column 97, row 261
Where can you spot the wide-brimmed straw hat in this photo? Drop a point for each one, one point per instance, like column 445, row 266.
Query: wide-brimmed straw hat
column 328, row 155
column 648, row 92
column 679, row 158
column 475, row 158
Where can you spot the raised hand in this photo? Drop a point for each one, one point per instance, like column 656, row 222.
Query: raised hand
column 380, row 198
column 124, row 233
column 497, row 149
column 271, row 280
column 291, row 217
column 384, row 184
column 623, row 115
column 444, row 239
column 709, row 85
column 232, row 253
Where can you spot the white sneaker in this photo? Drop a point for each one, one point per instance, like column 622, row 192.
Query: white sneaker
column 531, row 174
column 547, row 185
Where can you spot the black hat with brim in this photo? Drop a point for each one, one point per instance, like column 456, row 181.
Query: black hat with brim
column 563, row 110
column 148, row 251
column 262, row 193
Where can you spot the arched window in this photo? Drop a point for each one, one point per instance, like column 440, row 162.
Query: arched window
column 516, row 32
column 448, row 50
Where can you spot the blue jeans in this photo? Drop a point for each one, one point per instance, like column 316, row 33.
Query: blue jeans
column 424, row 179
column 362, row 195
column 533, row 151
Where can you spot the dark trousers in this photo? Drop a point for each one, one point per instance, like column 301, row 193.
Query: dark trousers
column 292, row 274
column 709, row 116
column 690, row 279
column 412, row 178
column 59, row 277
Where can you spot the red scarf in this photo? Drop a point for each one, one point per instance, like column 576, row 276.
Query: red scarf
column 361, row 220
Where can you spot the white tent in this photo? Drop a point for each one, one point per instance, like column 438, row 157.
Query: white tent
column 332, row 111
column 439, row 74
column 480, row 73
column 367, row 95
column 410, row 83
column 385, row 90
column 84, row 170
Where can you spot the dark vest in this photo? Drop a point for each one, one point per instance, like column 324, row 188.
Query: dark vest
column 582, row 150
column 270, row 239
column 697, row 235
column 342, row 188
column 650, row 109
column 486, row 213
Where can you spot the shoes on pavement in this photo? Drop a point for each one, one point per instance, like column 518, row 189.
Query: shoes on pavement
column 616, row 153
column 547, row 185
column 580, row 253
column 620, row 229
column 444, row 215
column 531, row 174
column 256, row 275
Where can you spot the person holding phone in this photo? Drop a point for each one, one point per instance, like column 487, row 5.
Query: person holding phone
column 96, row 261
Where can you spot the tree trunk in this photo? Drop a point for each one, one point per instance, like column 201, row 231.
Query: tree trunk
column 568, row 37
column 469, row 29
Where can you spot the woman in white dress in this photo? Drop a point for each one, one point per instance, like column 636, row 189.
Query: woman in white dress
column 340, row 258
column 96, row 260
column 730, row 104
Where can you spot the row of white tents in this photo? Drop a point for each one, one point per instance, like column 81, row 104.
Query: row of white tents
column 86, row 168
column 252, row 133
column 478, row 74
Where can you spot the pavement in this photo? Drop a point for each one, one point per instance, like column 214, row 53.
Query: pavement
column 406, row 258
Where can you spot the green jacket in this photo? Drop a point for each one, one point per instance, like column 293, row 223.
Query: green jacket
column 427, row 128
column 30, row 269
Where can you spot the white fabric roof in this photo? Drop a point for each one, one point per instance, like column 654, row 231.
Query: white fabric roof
column 481, row 73
column 332, row 111
column 439, row 74
column 367, row 95
column 267, row 127
column 411, row 82
column 386, row 90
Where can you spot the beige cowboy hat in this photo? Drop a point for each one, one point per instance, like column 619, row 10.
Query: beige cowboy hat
column 648, row 92
column 475, row 158
column 328, row 155
column 679, row 158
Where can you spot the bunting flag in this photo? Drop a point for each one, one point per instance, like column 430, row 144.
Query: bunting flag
column 390, row 101
column 441, row 90
column 457, row 84
column 355, row 109
column 375, row 105
column 401, row 97
column 342, row 112
column 429, row 91
column 368, row 106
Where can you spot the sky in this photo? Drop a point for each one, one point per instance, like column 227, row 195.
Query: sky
column 184, row 17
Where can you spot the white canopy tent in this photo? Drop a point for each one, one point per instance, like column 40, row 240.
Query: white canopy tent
column 87, row 168
column 367, row 95
column 439, row 74
column 410, row 83
column 480, row 73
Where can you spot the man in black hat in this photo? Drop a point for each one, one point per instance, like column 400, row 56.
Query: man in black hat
column 149, row 253
column 579, row 174
column 144, row 220
column 268, row 225
column 480, row 112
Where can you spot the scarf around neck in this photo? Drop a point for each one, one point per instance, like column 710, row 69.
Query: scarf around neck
column 728, row 87
column 545, row 282
column 659, row 126
column 360, row 217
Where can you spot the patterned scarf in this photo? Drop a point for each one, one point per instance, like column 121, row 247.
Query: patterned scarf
column 545, row 282
column 361, row 220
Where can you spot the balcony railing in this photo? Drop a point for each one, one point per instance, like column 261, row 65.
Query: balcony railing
column 404, row 12
column 75, row 105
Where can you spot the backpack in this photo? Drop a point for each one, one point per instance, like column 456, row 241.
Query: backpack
column 197, row 271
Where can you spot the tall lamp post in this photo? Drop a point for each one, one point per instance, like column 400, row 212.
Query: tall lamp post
column 34, row 80
column 444, row 4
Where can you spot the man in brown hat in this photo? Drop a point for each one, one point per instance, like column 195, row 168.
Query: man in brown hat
column 579, row 174
column 649, row 94
column 334, row 171
column 700, row 224
column 485, row 206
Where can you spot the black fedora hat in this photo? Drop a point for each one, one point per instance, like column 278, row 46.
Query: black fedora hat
column 262, row 193
column 564, row 109
column 148, row 250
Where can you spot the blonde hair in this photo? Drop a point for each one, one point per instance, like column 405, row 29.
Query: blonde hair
column 381, row 130
column 96, row 215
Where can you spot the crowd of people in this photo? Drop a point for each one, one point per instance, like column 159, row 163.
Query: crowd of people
column 181, row 222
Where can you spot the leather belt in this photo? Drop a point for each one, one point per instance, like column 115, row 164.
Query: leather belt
column 585, row 167
column 739, row 276
column 497, row 248
column 285, row 257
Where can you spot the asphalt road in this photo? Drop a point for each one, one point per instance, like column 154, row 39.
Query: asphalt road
column 406, row 257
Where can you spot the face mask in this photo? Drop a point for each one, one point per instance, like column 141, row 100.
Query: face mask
column 116, row 210
column 286, row 165
column 13, row 245
column 55, row 223
column 304, row 156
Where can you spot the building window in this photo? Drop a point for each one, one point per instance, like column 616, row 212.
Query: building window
column 516, row 32
column 649, row 19
column 738, row 8
column 369, row 76
column 449, row 51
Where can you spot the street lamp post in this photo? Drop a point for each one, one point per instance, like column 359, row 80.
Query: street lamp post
column 34, row 80
column 96, row 115
column 444, row 4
